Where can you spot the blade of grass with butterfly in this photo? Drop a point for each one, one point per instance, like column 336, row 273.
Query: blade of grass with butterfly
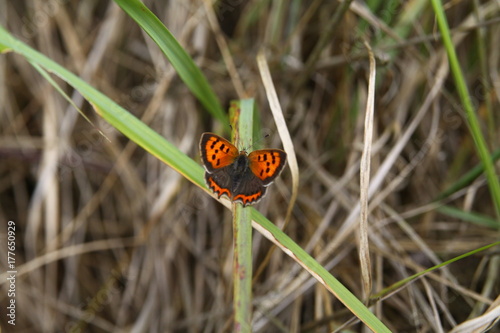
column 167, row 152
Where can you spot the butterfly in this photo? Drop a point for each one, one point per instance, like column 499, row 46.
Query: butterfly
column 241, row 177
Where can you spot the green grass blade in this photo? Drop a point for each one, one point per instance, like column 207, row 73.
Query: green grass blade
column 178, row 57
column 472, row 120
column 401, row 283
column 471, row 217
column 468, row 178
column 3, row 48
column 117, row 116
column 241, row 114
column 63, row 93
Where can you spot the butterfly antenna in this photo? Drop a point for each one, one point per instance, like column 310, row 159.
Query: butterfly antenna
column 257, row 142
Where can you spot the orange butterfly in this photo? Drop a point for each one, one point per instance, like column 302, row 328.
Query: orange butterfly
column 243, row 178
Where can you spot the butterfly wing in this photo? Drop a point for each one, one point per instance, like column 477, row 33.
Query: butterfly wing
column 267, row 164
column 225, row 177
column 216, row 152
column 250, row 191
column 219, row 182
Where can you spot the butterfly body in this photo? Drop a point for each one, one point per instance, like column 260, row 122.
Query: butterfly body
column 240, row 165
column 243, row 178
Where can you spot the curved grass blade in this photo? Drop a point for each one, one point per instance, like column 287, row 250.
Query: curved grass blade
column 113, row 113
column 463, row 92
column 184, row 65
column 471, row 217
column 403, row 282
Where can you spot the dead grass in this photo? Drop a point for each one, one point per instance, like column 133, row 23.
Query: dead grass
column 110, row 239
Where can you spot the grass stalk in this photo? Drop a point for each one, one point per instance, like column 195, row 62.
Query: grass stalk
column 471, row 118
column 400, row 284
column 241, row 117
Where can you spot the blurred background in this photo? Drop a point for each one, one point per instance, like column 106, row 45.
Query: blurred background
column 108, row 238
